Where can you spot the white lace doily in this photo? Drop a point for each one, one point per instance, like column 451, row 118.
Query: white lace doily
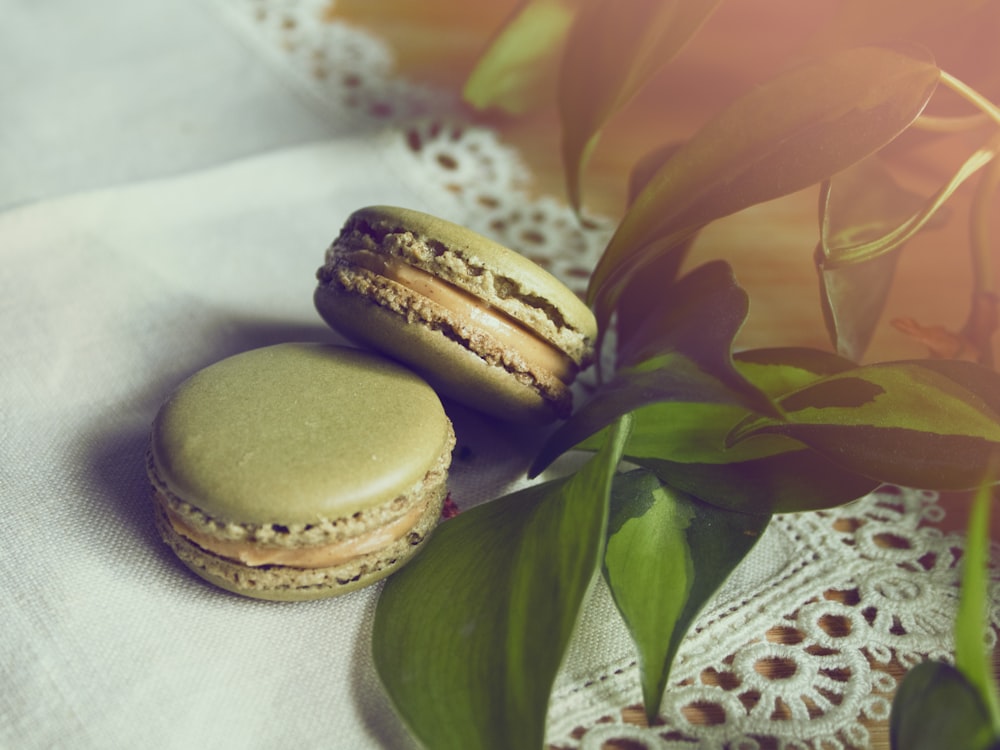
column 346, row 74
column 800, row 647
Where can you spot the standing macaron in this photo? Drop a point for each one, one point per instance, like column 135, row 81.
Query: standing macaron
column 299, row 471
column 482, row 323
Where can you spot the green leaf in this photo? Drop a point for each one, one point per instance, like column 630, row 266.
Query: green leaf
column 889, row 240
column 852, row 299
column 611, row 53
column 699, row 315
column 667, row 554
column 799, row 128
column 633, row 307
column 519, row 69
column 779, row 370
column 865, row 220
column 693, row 432
column 670, row 377
column 861, row 202
column 971, row 656
column 858, row 204
column 680, row 352
column 900, row 422
column 469, row 636
column 974, row 378
column 647, row 166
column 788, row 482
column 936, row 707
column 684, row 443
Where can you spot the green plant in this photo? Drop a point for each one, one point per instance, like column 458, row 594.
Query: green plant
column 939, row 705
column 468, row 638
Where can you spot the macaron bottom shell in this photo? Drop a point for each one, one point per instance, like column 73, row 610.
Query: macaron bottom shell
column 444, row 361
column 300, row 470
column 285, row 583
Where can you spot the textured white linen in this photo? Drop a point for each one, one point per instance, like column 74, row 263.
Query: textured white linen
column 109, row 300
column 104, row 92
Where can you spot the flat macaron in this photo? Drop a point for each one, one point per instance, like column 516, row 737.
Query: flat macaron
column 482, row 323
column 299, row 471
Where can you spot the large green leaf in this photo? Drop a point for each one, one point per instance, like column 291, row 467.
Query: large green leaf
column 855, row 205
column 684, row 442
column 935, row 708
column 671, row 377
column 865, row 220
column 979, row 380
column 469, row 636
column 691, row 431
column 870, row 245
column 679, row 352
column 787, row 134
column 682, row 415
column 698, row 315
column 780, row 369
column 519, row 69
column 612, row 51
column 666, row 555
column 788, row 482
column 633, row 307
column 900, row 422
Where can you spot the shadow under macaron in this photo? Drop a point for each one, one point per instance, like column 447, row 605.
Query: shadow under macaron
column 371, row 703
column 490, row 459
column 115, row 456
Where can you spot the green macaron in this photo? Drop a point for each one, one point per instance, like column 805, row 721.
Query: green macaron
column 299, row 471
column 482, row 323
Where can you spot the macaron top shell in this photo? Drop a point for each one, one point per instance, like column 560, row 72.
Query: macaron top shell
column 488, row 270
column 297, row 433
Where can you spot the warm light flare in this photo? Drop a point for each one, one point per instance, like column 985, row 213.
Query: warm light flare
column 740, row 46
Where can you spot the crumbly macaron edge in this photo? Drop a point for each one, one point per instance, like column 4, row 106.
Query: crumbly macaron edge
column 366, row 292
column 496, row 274
column 285, row 583
column 322, row 531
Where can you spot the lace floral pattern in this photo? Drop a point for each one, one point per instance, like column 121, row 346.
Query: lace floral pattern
column 345, row 73
column 802, row 647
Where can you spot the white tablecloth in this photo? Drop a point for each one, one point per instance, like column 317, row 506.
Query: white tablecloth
column 170, row 175
column 109, row 299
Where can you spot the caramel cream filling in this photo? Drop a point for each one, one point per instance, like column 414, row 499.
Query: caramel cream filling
column 314, row 556
column 536, row 351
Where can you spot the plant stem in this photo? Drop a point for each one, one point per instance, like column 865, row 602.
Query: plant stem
column 935, row 124
column 971, row 95
column 973, row 598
